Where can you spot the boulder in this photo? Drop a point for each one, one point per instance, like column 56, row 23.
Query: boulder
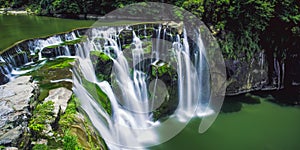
column 11, row 136
column 60, row 98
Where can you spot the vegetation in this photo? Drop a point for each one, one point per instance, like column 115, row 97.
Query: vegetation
column 100, row 55
column 66, row 43
column 69, row 116
column 98, row 95
column 41, row 114
column 70, row 142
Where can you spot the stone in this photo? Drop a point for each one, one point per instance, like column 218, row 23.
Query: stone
column 11, row 136
column 99, row 59
column 42, row 141
column 15, row 97
column 60, row 97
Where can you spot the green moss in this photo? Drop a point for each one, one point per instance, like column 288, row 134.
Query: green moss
column 101, row 55
column 62, row 63
column 148, row 47
column 98, row 95
column 2, row 64
column 42, row 113
column 72, row 42
column 66, row 43
column 126, row 46
column 68, row 117
column 52, row 70
column 53, row 46
column 160, row 69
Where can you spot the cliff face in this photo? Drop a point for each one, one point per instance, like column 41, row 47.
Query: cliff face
column 247, row 75
column 265, row 71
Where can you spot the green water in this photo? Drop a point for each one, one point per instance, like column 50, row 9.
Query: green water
column 265, row 126
column 20, row 27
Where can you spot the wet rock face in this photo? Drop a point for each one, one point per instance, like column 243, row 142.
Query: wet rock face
column 60, row 98
column 15, row 97
column 244, row 76
column 3, row 79
column 102, row 64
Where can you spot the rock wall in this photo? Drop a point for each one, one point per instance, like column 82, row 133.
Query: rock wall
column 247, row 75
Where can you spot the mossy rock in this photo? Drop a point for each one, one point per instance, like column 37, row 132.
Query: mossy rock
column 126, row 37
column 168, row 75
column 97, row 93
column 103, row 65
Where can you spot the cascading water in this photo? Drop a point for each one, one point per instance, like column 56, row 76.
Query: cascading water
column 24, row 53
column 157, row 80
column 133, row 104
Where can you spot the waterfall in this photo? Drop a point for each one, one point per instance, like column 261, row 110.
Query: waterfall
column 133, row 98
column 155, row 85
column 30, row 52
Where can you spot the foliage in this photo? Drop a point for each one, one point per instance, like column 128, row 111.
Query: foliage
column 70, row 142
column 100, row 55
column 69, row 116
column 42, row 113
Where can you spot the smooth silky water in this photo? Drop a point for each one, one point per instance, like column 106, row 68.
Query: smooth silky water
column 132, row 123
column 260, row 126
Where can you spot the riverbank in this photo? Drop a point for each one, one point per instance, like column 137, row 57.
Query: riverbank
column 10, row 11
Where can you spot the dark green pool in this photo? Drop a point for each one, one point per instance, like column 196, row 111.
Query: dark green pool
column 265, row 126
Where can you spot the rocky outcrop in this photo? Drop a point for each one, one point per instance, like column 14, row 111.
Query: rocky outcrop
column 60, row 98
column 102, row 64
column 15, row 98
column 86, row 134
column 165, row 78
